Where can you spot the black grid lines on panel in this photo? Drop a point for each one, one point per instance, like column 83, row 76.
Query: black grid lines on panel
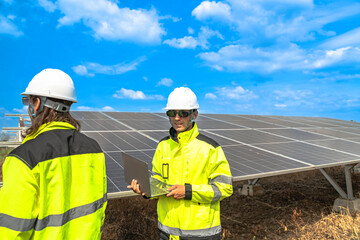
column 215, row 124
column 315, row 122
column 157, row 135
column 133, row 116
column 339, row 122
column 278, row 121
column 115, row 170
column 101, row 125
column 126, row 141
column 249, row 136
column 246, row 160
column 104, row 143
column 159, row 124
column 308, row 153
column 241, row 122
column 80, row 115
column 122, row 141
column 219, row 139
column 296, row 134
column 347, row 146
column 333, row 133
column 353, row 130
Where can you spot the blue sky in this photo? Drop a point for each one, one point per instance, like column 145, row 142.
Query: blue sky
column 263, row 57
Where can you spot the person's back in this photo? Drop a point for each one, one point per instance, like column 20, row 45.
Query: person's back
column 54, row 184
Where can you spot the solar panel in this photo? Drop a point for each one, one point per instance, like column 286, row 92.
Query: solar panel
column 255, row 146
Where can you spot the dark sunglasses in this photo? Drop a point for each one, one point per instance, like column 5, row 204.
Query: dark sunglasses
column 26, row 101
column 172, row 113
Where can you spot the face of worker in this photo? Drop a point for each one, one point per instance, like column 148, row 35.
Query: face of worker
column 180, row 123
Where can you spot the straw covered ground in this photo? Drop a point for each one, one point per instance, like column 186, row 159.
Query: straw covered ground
column 293, row 206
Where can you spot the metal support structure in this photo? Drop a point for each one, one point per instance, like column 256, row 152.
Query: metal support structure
column 333, row 183
column 252, row 188
column 347, row 201
column 349, row 188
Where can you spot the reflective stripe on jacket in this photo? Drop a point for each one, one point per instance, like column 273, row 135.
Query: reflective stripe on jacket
column 199, row 163
column 54, row 186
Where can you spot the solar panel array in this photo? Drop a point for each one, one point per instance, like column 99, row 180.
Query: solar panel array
column 255, row 146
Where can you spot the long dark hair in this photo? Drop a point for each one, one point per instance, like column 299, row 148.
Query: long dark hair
column 48, row 115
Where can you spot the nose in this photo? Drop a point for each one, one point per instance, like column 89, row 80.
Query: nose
column 177, row 117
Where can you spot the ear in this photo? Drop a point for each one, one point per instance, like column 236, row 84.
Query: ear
column 36, row 104
column 196, row 114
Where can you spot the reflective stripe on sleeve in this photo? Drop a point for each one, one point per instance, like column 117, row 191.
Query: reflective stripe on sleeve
column 16, row 224
column 222, row 179
column 23, row 225
column 190, row 233
column 217, row 193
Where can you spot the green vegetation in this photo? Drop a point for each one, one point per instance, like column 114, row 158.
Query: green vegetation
column 4, row 151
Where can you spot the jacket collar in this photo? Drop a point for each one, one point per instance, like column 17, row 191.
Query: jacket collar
column 186, row 136
column 48, row 127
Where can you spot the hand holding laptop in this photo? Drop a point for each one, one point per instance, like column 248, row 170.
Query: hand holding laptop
column 135, row 187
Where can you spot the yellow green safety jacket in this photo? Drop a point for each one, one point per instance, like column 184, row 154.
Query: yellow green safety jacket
column 54, row 186
column 199, row 163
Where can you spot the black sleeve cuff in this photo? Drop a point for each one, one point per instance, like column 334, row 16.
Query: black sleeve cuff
column 188, row 191
column 146, row 197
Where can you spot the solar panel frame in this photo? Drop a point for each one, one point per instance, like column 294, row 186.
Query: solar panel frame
column 255, row 146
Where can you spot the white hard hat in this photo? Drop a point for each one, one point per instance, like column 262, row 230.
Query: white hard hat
column 52, row 83
column 182, row 98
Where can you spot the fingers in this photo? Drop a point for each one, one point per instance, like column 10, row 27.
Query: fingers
column 135, row 187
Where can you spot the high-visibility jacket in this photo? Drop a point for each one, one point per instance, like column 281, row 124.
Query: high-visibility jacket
column 199, row 163
column 54, row 186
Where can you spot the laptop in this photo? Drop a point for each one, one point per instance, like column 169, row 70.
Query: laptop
column 137, row 169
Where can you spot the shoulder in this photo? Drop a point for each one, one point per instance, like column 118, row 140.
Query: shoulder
column 164, row 139
column 53, row 144
column 208, row 140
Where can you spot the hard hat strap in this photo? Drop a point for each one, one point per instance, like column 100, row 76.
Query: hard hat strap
column 42, row 101
column 57, row 106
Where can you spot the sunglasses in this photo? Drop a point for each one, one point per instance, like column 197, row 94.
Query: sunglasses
column 26, row 101
column 172, row 113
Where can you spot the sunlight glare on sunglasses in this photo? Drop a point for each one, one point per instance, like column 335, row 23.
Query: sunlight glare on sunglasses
column 26, row 101
column 172, row 113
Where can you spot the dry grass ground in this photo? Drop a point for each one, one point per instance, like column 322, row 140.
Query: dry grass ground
column 294, row 206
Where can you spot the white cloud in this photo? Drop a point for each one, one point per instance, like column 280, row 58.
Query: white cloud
column 108, row 109
column 174, row 19
column 210, row 96
column 22, row 110
column 277, row 20
column 331, row 76
column 165, row 82
column 241, row 58
column 135, row 95
column 110, row 22
column 191, row 30
column 236, row 93
column 279, row 105
column 86, row 108
column 90, row 69
column 47, row 5
column 7, row 26
column 212, row 9
column 185, row 42
column 192, row 42
column 293, row 94
column 350, row 38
